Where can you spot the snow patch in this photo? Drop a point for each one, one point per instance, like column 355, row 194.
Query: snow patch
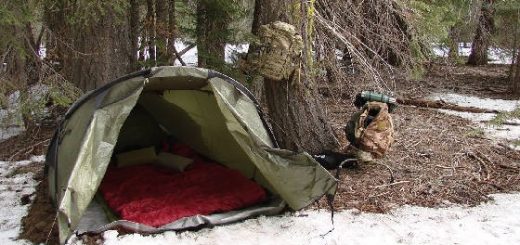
column 473, row 101
column 476, row 117
column 500, row 132
column 191, row 56
column 14, row 186
column 495, row 55
column 11, row 121
column 490, row 223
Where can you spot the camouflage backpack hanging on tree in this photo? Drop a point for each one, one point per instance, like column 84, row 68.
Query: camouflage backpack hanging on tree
column 371, row 129
column 278, row 56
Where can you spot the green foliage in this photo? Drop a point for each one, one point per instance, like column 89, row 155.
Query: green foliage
column 15, row 15
column 231, row 11
column 83, row 12
column 35, row 101
column 507, row 24
column 433, row 20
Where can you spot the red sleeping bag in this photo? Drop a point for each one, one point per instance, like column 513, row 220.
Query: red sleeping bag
column 156, row 196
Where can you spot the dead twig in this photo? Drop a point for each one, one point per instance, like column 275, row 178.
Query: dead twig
column 448, row 167
column 482, row 164
column 392, row 184
column 28, row 149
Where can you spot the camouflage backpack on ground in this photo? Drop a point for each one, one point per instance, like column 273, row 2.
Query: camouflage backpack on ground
column 371, row 129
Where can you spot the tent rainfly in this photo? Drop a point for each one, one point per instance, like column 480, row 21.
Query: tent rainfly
column 211, row 113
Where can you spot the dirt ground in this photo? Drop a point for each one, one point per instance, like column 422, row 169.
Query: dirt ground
column 435, row 160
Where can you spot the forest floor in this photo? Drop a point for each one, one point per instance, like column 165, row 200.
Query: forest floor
column 437, row 159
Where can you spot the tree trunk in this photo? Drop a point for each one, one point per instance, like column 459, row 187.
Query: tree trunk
column 172, row 32
column 516, row 75
column 94, row 51
column 297, row 116
column 481, row 41
column 134, row 33
column 162, row 31
column 211, row 28
column 453, row 52
column 150, row 31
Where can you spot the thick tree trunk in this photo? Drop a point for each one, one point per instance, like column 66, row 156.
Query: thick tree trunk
column 297, row 116
column 481, row 41
column 95, row 51
column 211, row 28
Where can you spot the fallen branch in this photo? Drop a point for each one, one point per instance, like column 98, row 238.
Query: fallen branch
column 482, row 164
column 392, row 184
column 439, row 104
column 178, row 55
column 448, row 167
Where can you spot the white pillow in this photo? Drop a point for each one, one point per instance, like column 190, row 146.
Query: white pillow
column 136, row 157
column 173, row 161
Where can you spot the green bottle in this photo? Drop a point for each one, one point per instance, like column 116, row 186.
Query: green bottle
column 367, row 96
column 373, row 96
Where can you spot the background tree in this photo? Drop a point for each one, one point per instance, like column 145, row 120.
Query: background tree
column 213, row 19
column 92, row 39
column 507, row 37
column 482, row 40
column 19, row 43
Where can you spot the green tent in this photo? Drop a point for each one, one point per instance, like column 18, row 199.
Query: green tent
column 212, row 113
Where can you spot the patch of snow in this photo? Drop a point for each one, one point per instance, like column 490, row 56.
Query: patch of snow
column 11, row 121
column 476, row 117
column 190, row 57
column 8, row 132
column 233, row 49
column 473, row 101
column 499, row 56
column 495, row 55
column 12, row 188
column 501, row 132
column 490, row 223
column 440, row 51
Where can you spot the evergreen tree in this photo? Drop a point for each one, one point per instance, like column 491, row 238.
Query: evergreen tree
column 296, row 113
column 92, row 39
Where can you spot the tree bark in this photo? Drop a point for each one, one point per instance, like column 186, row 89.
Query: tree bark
column 162, row 31
column 94, row 51
column 150, row 30
column 134, row 33
column 481, row 41
column 297, row 116
column 453, row 52
column 516, row 76
column 172, row 32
